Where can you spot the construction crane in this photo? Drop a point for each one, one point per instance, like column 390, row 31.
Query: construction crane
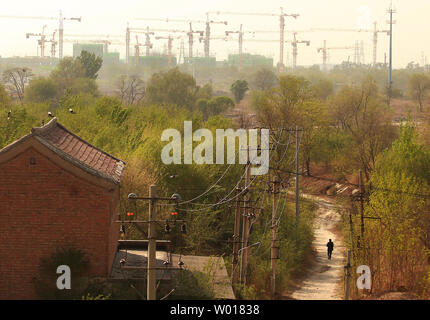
column 208, row 23
column 169, row 45
column 294, row 43
column 53, row 44
column 148, row 33
column 325, row 51
column 61, row 26
column 240, row 32
column 281, row 16
column 375, row 32
column 191, row 41
column 137, row 46
column 41, row 42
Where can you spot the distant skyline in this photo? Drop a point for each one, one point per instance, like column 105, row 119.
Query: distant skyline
column 111, row 17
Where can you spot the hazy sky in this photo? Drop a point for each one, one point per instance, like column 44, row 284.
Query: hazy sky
column 111, row 17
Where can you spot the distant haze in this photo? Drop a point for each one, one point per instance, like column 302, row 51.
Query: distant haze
column 111, row 17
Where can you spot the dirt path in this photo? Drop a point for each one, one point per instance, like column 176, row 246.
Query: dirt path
column 322, row 282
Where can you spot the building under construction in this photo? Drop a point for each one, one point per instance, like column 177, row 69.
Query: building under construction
column 250, row 60
column 157, row 62
column 201, row 62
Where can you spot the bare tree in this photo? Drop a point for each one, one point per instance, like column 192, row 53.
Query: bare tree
column 131, row 89
column 15, row 80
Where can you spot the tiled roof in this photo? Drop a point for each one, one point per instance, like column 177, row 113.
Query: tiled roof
column 76, row 150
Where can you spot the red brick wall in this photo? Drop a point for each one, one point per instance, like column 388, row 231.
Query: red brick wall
column 43, row 206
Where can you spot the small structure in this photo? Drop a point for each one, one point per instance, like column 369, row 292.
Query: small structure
column 134, row 257
column 55, row 189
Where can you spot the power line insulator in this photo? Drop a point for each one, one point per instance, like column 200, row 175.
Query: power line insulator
column 167, row 227
column 184, row 228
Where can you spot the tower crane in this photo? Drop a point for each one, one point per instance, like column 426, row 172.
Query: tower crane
column 147, row 33
column 281, row 16
column 41, row 42
column 169, row 45
column 53, row 44
column 293, row 43
column 375, row 32
column 325, row 51
column 208, row 23
column 137, row 46
column 240, row 32
column 61, row 20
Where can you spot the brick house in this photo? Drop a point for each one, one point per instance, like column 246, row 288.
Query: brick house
column 55, row 189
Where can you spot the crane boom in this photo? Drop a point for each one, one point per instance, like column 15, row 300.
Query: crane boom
column 281, row 16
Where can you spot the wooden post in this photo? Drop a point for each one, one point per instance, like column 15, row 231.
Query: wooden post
column 275, row 246
column 152, row 247
column 236, row 241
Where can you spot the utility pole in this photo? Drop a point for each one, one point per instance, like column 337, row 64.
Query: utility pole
column 236, row 240
column 151, row 273
column 390, row 81
column 275, row 246
column 347, row 275
column 297, row 177
column 361, row 204
column 245, row 229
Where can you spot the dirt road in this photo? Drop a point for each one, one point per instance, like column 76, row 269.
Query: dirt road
column 322, row 282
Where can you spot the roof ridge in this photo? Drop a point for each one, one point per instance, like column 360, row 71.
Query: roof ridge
column 45, row 128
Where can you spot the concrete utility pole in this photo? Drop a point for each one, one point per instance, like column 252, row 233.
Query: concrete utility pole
column 297, row 177
column 361, row 204
column 245, row 230
column 275, row 245
column 390, row 81
column 347, row 275
column 152, row 246
column 236, row 241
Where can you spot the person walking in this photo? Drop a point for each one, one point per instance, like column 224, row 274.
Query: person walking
column 330, row 246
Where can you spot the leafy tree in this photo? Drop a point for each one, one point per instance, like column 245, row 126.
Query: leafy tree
column 403, row 233
column 264, row 79
column 4, row 97
column 41, row 90
column 69, row 68
column 214, row 106
column 172, row 87
column 45, row 282
column 323, row 88
column 239, row 88
column 359, row 112
column 419, row 85
column 205, row 92
column 90, row 63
